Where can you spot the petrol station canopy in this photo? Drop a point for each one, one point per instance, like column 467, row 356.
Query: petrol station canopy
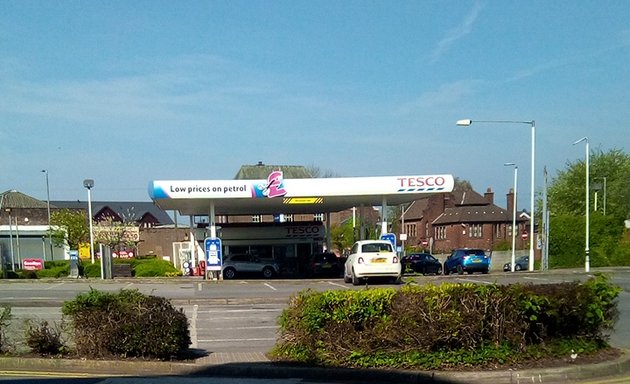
column 292, row 196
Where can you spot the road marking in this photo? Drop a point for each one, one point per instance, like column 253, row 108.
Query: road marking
column 270, row 286
column 535, row 278
column 256, row 327
column 193, row 326
column 128, row 286
column 475, row 281
column 338, row 285
column 54, row 286
column 234, row 340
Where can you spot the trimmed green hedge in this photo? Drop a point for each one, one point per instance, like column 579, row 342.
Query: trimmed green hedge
column 445, row 326
column 126, row 324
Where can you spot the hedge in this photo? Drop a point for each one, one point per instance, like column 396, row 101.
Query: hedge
column 446, row 326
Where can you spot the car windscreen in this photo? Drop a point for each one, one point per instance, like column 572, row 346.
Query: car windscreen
column 476, row 252
column 376, row 247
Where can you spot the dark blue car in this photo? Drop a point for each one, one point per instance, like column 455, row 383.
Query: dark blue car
column 467, row 260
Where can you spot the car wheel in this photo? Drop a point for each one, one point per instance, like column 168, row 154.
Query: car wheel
column 268, row 272
column 229, row 273
column 460, row 270
column 518, row 267
column 346, row 279
column 438, row 271
column 485, row 271
column 355, row 279
column 446, row 271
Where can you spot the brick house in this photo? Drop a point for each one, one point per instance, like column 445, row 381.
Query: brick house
column 462, row 218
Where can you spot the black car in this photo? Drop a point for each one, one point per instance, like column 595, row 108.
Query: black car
column 520, row 264
column 324, row 264
column 424, row 263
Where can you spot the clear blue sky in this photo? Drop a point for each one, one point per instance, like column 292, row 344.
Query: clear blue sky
column 125, row 92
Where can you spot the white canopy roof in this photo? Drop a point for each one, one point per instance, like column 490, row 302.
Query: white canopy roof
column 292, row 196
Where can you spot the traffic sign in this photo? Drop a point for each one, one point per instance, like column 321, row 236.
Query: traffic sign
column 391, row 237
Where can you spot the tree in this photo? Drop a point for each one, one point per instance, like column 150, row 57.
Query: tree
column 71, row 226
column 566, row 202
column 567, row 190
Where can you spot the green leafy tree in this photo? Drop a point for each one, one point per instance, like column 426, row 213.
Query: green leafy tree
column 71, row 226
column 566, row 202
column 566, row 193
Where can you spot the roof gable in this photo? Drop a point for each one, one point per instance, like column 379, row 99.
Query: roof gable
column 18, row 200
column 261, row 171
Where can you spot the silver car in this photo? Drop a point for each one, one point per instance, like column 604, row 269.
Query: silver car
column 242, row 264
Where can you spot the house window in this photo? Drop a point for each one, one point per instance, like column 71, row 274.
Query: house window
column 411, row 230
column 256, row 218
column 440, row 232
column 318, row 217
column 497, row 231
column 509, row 230
column 475, row 230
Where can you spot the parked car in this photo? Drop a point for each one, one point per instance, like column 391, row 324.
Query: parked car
column 324, row 264
column 424, row 263
column 467, row 260
column 520, row 264
column 371, row 259
column 242, row 264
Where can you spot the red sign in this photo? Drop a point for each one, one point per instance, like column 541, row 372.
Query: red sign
column 524, row 235
column 123, row 254
column 33, row 264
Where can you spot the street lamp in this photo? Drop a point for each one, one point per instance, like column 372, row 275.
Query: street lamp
column 514, row 212
column 596, row 178
column 52, row 256
column 532, row 123
column 89, row 184
column 586, row 249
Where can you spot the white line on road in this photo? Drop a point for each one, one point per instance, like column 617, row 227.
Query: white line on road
column 241, row 328
column 128, row 286
column 535, row 278
column 475, row 281
column 270, row 286
column 234, row 340
column 193, row 326
column 54, row 286
column 338, row 285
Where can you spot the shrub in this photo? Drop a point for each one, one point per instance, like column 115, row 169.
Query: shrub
column 451, row 325
column 153, row 268
column 5, row 318
column 126, row 324
column 43, row 340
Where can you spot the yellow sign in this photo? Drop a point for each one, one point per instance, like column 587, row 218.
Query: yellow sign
column 303, row 200
column 84, row 251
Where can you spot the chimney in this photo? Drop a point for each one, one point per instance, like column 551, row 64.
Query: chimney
column 510, row 201
column 489, row 196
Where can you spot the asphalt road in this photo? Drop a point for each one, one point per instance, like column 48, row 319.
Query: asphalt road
column 241, row 315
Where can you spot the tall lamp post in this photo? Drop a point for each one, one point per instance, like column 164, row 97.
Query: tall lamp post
column 89, row 184
column 514, row 212
column 52, row 256
column 604, row 178
column 531, row 123
column 587, row 265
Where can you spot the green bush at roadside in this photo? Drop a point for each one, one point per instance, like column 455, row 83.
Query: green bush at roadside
column 447, row 326
column 126, row 324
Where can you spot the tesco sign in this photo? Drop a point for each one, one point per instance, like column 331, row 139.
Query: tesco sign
column 415, row 182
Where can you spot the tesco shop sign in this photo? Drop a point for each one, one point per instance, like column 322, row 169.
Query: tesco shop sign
column 415, row 182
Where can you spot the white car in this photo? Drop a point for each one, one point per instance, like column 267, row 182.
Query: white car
column 372, row 258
